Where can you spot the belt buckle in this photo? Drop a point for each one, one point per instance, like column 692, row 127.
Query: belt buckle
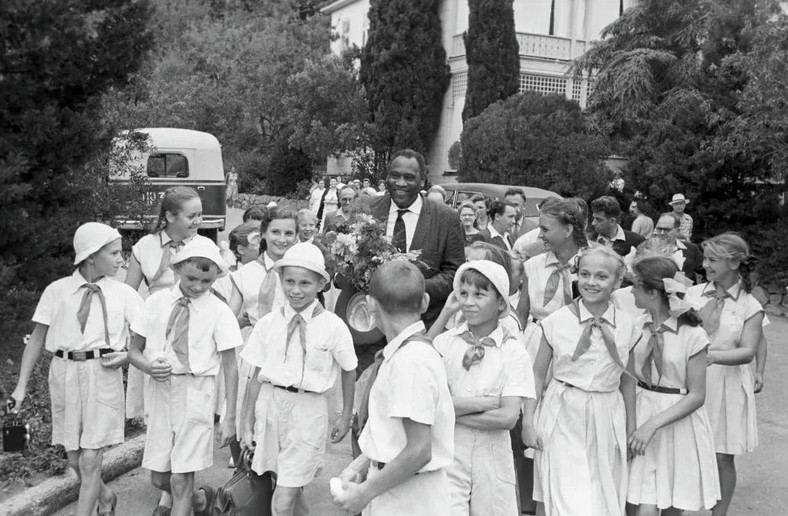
column 79, row 356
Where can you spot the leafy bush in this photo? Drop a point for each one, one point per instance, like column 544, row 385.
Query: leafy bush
column 288, row 167
column 534, row 140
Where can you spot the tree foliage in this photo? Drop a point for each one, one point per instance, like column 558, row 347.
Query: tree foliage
column 670, row 85
column 404, row 73
column 58, row 59
column 535, row 140
column 492, row 53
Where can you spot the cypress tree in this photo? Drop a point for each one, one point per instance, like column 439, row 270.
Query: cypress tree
column 404, row 72
column 492, row 53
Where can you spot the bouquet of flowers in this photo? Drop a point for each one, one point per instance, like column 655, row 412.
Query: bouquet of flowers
column 360, row 246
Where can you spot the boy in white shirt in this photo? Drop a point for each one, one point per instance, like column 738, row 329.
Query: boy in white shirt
column 489, row 373
column 83, row 321
column 297, row 352
column 184, row 337
column 408, row 439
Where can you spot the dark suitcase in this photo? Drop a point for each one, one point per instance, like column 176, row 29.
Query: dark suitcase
column 246, row 493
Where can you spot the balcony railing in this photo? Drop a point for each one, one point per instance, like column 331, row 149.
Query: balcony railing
column 536, row 45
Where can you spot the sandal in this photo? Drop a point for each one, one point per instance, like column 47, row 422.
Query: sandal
column 210, row 494
column 111, row 511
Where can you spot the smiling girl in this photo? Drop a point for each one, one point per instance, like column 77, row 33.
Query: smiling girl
column 582, row 422
column 733, row 319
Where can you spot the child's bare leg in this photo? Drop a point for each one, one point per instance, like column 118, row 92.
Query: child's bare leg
column 182, row 490
column 284, row 501
column 161, row 481
column 301, row 507
column 727, row 470
column 90, row 480
column 672, row 511
column 646, row 510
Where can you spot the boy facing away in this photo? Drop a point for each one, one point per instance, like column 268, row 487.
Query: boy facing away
column 297, row 353
column 408, row 440
column 186, row 333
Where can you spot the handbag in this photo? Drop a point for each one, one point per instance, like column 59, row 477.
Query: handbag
column 246, row 493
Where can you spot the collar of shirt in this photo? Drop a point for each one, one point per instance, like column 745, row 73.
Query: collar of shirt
column 670, row 323
column 609, row 316
column 268, row 261
column 165, row 239
column 497, row 334
column 79, row 280
column 197, row 303
column 341, row 213
column 306, row 313
column 494, row 232
column 309, row 240
column 734, row 292
column 415, row 207
column 618, row 236
column 680, row 244
column 392, row 346
column 551, row 258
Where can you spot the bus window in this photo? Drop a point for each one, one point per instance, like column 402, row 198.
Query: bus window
column 168, row 165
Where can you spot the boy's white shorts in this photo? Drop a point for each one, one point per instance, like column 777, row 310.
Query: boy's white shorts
column 180, row 424
column 87, row 404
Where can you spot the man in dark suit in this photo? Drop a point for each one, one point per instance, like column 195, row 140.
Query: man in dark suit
column 342, row 215
column 415, row 223
column 606, row 213
column 516, row 197
column 668, row 229
column 501, row 216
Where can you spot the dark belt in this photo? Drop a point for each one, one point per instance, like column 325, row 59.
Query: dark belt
column 294, row 389
column 81, row 356
column 380, row 465
column 565, row 383
column 663, row 390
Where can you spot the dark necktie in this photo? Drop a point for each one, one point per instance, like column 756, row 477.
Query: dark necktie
column 267, row 292
column 711, row 311
column 178, row 327
column 297, row 322
column 475, row 352
column 399, row 237
column 166, row 255
column 84, row 308
column 654, row 350
column 584, row 342
column 559, row 275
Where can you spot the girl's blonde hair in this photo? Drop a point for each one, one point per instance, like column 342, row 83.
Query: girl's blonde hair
column 173, row 200
column 730, row 246
column 601, row 250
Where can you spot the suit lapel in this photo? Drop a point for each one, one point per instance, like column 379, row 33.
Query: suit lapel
column 380, row 208
column 421, row 225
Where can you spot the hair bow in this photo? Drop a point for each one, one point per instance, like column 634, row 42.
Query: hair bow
column 254, row 239
column 673, row 287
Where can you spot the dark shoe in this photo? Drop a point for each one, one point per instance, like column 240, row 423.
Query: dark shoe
column 111, row 512
column 161, row 510
column 210, row 495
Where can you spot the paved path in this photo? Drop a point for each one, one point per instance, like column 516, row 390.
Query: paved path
column 761, row 491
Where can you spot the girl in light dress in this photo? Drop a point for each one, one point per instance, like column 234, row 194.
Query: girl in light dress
column 580, row 429
column 673, row 468
column 733, row 319
column 180, row 215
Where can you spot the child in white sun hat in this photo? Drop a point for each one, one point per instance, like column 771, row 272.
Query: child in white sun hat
column 297, row 352
column 489, row 374
column 82, row 320
column 186, row 334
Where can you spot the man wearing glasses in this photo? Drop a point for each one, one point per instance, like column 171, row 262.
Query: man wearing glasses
column 687, row 255
column 342, row 215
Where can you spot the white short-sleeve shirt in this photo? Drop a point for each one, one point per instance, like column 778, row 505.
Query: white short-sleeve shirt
column 329, row 347
column 148, row 252
column 412, row 384
column 739, row 308
column 538, row 270
column 505, row 369
column 212, row 329
column 248, row 279
column 58, row 307
column 595, row 370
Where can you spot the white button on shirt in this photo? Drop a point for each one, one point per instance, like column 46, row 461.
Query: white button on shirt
column 411, row 218
column 329, row 346
column 505, row 369
column 212, row 329
column 411, row 383
column 58, row 307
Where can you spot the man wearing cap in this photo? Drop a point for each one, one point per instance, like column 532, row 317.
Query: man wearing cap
column 416, row 224
column 184, row 337
column 679, row 204
column 82, row 320
column 297, row 352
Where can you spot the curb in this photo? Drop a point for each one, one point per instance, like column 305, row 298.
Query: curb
column 57, row 492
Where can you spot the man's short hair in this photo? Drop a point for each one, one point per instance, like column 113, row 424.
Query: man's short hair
column 497, row 207
column 515, row 191
column 676, row 218
column 398, row 287
column 607, row 205
column 438, row 189
column 411, row 154
column 347, row 187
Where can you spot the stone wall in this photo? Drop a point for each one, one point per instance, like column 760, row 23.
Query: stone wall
column 774, row 299
column 245, row 201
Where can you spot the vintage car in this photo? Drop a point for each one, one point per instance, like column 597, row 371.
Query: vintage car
column 458, row 192
column 178, row 157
